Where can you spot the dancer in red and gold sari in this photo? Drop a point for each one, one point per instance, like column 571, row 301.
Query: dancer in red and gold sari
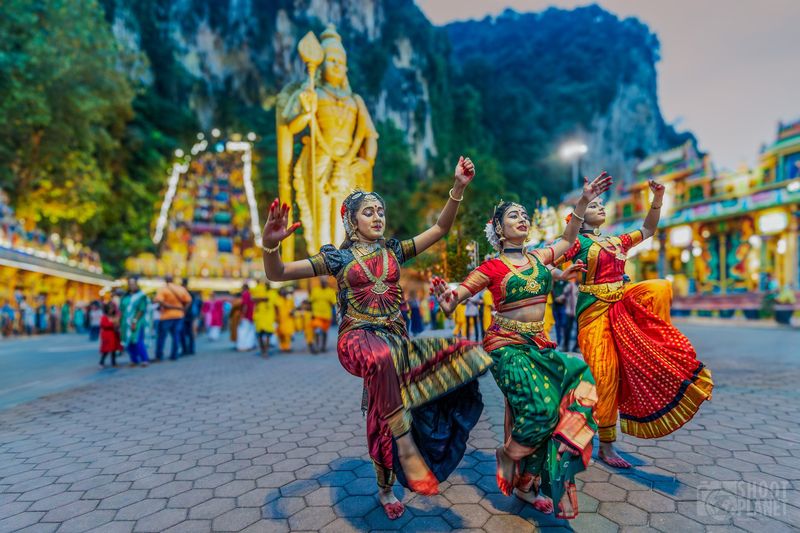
column 550, row 396
column 422, row 397
column 644, row 367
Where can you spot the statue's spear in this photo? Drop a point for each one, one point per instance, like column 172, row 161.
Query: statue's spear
column 312, row 54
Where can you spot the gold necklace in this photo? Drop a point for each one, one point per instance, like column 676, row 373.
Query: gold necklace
column 532, row 285
column 378, row 285
column 611, row 248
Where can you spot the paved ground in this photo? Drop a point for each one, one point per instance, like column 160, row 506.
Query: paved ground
column 31, row 367
column 227, row 442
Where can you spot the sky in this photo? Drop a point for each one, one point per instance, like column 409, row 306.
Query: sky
column 729, row 69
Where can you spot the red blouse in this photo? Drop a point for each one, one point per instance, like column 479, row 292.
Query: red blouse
column 508, row 290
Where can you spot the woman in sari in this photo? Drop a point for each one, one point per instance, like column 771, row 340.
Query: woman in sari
column 644, row 367
column 422, row 397
column 549, row 395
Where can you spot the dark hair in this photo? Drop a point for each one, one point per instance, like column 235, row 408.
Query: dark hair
column 500, row 211
column 349, row 209
column 109, row 308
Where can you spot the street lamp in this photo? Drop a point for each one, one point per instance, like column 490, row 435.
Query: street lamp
column 572, row 151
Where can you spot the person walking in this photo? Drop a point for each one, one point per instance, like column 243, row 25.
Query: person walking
column 7, row 316
column 110, row 343
column 559, row 310
column 471, row 314
column 245, row 330
column 570, row 304
column 265, row 314
column 172, row 300
column 133, row 323
column 95, row 316
column 190, row 314
column 323, row 302
column 66, row 314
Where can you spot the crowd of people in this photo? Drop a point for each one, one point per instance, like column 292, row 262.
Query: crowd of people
column 19, row 317
column 265, row 316
column 131, row 321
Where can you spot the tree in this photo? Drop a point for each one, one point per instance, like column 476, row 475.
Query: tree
column 64, row 102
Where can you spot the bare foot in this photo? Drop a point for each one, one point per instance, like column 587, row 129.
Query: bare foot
column 420, row 478
column 609, row 456
column 540, row 502
column 505, row 471
column 393, row 507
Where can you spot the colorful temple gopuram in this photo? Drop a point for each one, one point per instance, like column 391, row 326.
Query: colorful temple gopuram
column 207, row 221
column 725, row 239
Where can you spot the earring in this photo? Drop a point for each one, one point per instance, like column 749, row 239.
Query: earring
column 353, row 237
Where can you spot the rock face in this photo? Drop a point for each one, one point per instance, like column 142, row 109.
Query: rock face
column 568, row 74
column 246, row 50
column 225, row 57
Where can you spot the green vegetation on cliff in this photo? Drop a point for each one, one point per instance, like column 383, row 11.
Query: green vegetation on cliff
column 91, row 123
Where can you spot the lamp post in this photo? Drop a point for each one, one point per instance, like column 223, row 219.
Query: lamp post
column 572, row 151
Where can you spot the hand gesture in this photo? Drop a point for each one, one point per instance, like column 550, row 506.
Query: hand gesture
column 444, row 295
column 308, row 99
column 598, row 186
column 574, row 271
column 657, row 188
column 277, row 227
column 465, row 171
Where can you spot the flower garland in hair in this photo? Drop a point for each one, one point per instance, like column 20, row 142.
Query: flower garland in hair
column 491, row 232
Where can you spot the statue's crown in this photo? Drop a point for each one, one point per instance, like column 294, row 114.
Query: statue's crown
column 331, row 38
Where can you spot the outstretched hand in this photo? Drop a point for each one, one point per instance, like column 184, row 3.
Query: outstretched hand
column 444, row 295
column 277, row 227
column 598, row 186
column 465, row 171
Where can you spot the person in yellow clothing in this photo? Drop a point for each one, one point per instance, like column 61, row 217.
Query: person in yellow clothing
column 549, row 319
column 488, row 309
column 265, row 314
column 285, row 308
column 323, row 302
column 460, row 318
column 304, row 323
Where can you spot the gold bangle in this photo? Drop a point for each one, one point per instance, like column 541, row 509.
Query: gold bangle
column 453, row 197
column 576, row 215
column 270, row 250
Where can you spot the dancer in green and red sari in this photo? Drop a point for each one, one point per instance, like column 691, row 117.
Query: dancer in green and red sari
column 550, row 396
column 407, row 380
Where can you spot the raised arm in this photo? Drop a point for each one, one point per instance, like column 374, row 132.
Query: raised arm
column 592, row 190
column 651, row 220
column 465, row 171
column 276, row 230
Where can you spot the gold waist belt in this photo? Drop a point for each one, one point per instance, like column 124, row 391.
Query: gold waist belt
column 378, row 319
column 608, row 292
column 519, row 327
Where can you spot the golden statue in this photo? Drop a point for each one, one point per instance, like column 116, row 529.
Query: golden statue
column 340, row 139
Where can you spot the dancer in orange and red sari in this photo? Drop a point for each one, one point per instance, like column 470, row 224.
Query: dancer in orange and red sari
column 422, row 395
column 644, row 367
column 549, row 395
